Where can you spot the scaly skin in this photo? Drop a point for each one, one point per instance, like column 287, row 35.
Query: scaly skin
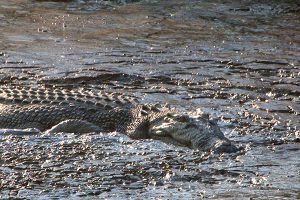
column 82, row 111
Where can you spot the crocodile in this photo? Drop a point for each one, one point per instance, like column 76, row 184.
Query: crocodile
column 70, row 110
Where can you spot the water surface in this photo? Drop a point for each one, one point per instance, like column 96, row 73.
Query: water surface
column 237, row 61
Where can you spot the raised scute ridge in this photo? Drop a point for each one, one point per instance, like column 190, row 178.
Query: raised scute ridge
column 43, row 95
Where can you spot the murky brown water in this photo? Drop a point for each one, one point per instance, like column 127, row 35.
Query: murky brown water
column 237, row 61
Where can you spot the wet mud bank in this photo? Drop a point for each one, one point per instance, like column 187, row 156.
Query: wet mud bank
column 239, row 62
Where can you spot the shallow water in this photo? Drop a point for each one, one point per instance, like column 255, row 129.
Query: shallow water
column 238, row 61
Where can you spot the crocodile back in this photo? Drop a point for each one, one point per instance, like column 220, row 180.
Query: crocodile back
column 42, row 107
column 63, row 96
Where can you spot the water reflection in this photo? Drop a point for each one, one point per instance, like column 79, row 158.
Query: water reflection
column 84, row 5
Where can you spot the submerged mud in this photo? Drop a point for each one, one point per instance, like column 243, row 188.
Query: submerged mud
column 239, row 62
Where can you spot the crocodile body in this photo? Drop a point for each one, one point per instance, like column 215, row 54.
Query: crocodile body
column 80, row 111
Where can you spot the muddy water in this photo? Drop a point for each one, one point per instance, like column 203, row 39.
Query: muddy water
column 239, row 62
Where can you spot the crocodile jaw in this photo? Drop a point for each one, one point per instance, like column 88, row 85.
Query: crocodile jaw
column 192, row 130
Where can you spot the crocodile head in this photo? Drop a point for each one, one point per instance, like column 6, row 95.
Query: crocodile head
column 194, row 130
